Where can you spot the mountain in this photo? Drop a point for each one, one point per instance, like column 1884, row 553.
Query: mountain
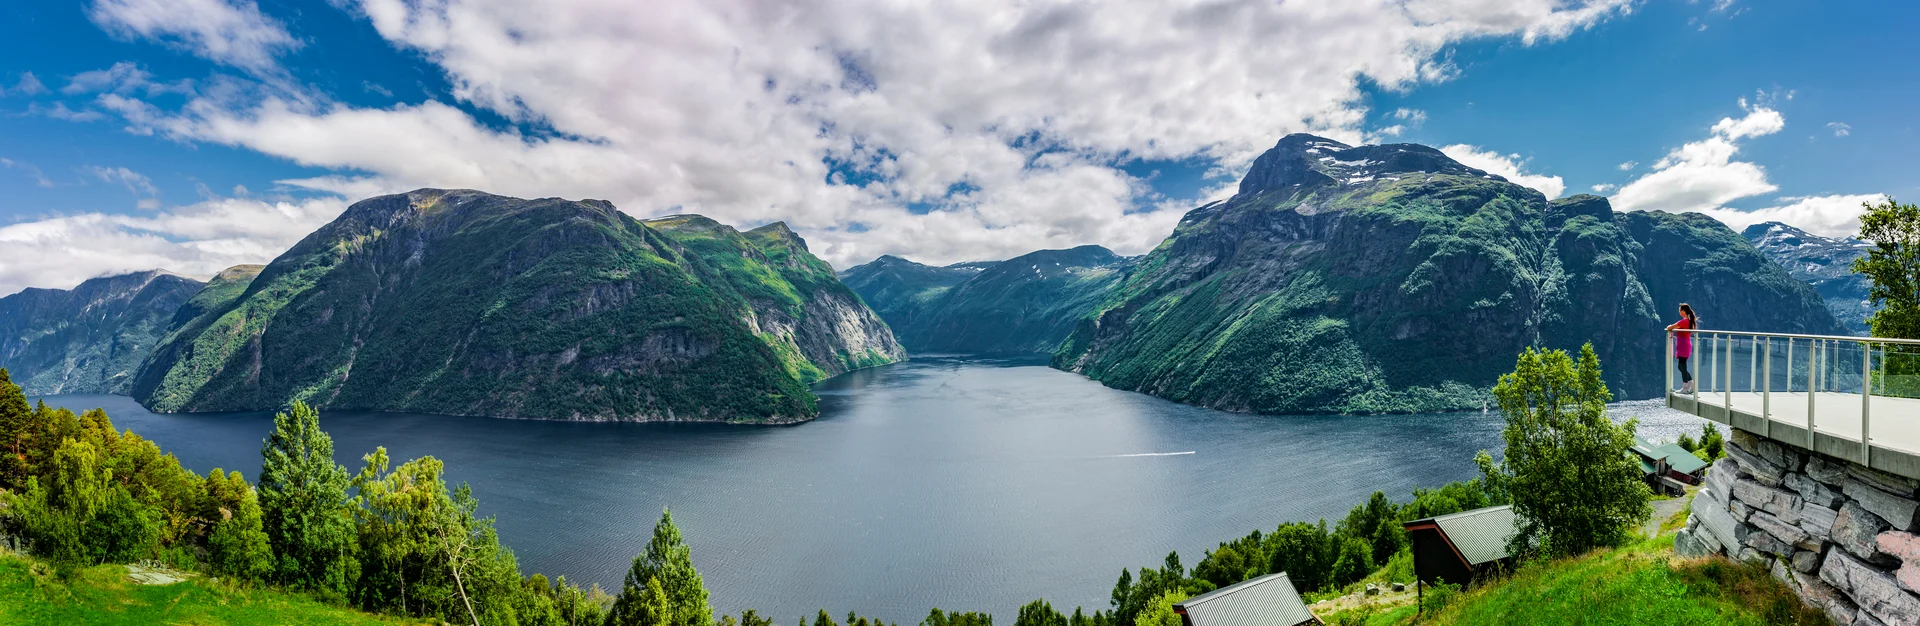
column 1824, row 262
column 1026, row 304
column 1393, row 278
column 466, row 303
column 899, row 289
column 88, row 339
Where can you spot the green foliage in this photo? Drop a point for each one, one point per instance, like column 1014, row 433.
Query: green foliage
column 17, row 429
column 1159, row 611
column 1573, row 489
column 937, row 617
column 1893, row 266
column 1436, row 597
column 77, row 514
column 306, row 514
column 238, row 544
column 668, row 563
column 1040, row 613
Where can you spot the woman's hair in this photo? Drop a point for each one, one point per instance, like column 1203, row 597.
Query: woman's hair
column 1687, row 310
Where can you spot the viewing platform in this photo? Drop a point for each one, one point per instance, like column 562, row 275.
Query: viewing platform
column 1853, row 398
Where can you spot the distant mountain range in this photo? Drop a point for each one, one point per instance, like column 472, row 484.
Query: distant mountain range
column 1824, row 262
column 467, row 303
column 1026, row 304
column 1337, row 279
column 1393, row 278
column 89, row 339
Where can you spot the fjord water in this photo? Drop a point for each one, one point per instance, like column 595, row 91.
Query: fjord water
column 963, row 483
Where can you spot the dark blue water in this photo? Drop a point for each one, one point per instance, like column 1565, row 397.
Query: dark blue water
column 962, row 483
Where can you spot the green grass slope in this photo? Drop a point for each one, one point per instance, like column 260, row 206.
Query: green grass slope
column 92, row 338
column 466, row 303
column 1392, row 278
column 32, row 594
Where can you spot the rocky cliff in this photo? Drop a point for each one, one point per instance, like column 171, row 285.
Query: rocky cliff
column 91, row 338
column 466, row 303
column 1393, row 278
column 1824, row 262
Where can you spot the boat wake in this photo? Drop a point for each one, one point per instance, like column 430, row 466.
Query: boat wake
column 1123, row 456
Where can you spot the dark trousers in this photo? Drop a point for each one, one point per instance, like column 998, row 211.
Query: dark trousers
column 1685, row 376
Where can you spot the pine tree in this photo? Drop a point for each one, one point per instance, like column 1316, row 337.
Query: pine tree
column 16, row 434
column 304, row 506
column 670, row 561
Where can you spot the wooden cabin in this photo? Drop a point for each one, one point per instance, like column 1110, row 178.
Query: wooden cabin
column 1668, row 468
column 1459, row 548
column 1269, row 600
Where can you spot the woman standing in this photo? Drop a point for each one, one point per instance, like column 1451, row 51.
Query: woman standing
column 1683, row 345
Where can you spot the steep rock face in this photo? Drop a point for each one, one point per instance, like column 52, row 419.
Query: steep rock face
column 1824, row 262
column 900, row 290
column 1391, row 278
column 820, row 326
column 466, row 303
column 88, row 339
column 1026, row 304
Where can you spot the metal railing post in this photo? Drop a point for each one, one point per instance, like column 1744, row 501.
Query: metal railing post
column 1813, row 361
column 1789, row 388
column 1766, row 393
column 1753, row 363
column 1728, row 389
column 1866, row 402
column 1672, row 364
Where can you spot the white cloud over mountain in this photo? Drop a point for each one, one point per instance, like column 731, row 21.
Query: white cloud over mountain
column 1507, row 166
column 1704, row 176
column 944, row 131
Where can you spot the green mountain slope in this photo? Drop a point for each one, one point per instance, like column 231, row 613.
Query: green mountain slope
column 901, row 290
column 1393, row 278
column 1025, row 304
column 91, row 338
column 466, row 303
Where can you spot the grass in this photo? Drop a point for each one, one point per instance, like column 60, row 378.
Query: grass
column 33, row 593
column 1643, row 583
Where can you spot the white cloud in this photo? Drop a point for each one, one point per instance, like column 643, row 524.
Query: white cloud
column 1832, row 216
column 124, row 78
column 1702, row 175
column 1605, row 187
column 765, row 107
column 1392, row 131
column 135, row 182
column 1414, row 116
column 1507, row 166
column 39, row 177
column 1629, row 165
column 198, row 240
column 236, row 34
column 59, row 111
column 1840, row 129
column 28, row 85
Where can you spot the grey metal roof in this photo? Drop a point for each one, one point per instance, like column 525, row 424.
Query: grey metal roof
column 1480, row 535
column 1269, row 600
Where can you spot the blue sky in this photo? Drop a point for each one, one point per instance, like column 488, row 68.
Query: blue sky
column 192, row 135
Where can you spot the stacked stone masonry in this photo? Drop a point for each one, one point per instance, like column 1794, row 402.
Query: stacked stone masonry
column 1841, row 534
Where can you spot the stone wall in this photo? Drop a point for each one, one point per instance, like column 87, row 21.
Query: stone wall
column 1839, row 533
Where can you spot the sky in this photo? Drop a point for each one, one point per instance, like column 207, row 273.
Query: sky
column 192, row 135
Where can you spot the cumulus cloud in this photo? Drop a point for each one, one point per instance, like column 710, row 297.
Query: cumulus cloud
column 1605, row 187
column 1508, row 166
column 1702, row 175
column 233, row 33
column 942, row 131
column 28, row 85
column 1629, row 165
column 1832, row 216
column 197, row 240
column 1840, row 129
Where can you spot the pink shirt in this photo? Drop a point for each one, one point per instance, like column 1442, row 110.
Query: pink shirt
column 1683, row 340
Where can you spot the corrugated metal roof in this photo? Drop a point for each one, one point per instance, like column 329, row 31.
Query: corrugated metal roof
column 1480, row 535
column 1269, row 600
column 1679, row 458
